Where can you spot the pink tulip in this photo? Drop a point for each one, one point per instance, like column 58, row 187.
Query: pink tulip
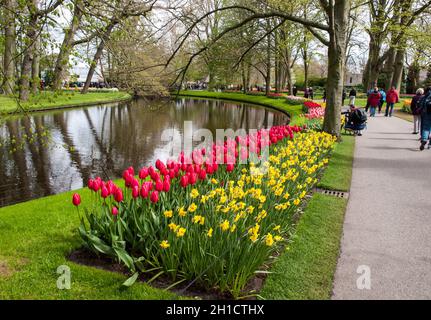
column 114, row 211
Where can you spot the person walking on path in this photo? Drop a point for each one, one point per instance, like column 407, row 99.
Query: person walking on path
column 374, row 101
column 416, row 111
column 392, row 97
column 311, row 93
column 425, row 106
column 306, row 93
column 382, row 99
column 294, row 91
column 352, row 96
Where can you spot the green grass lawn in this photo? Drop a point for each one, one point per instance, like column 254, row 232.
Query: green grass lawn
column 280, row 104
column 51, row 100
column 306, row 270
column 338, row 175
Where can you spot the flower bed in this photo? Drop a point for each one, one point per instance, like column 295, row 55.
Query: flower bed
column 275, row 95
column 213, row 224
column 406, row 106
column 294, row 100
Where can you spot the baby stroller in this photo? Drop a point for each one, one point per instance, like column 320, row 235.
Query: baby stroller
column 355, row 121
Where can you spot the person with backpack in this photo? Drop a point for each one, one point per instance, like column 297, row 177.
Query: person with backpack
column 382, row 99
column 356, row 120
column 416, row 110
column 392, row 97
column 425, row 105
column 374, row 101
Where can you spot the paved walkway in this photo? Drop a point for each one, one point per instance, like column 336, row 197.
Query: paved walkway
column 388, row 219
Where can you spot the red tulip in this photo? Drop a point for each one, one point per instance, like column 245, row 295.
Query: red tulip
column 90, row 184
column 76, row 199
column 184, row 181
column 151, row 171
column 118, row 195
column 97, row 184
column 131, row 171
column 166, row 185
column 154, row 196
column 144, row 190
column 114, row 211
column 193, row 177
column 126, row 173
column 159, row 185
column 230, row 167
column 135, row 192
column 104, row 193
column 134, row 183
column 143, row 173
column 202, row 175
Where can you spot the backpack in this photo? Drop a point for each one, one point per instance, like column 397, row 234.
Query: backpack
column 362, row 116
column 425, row 104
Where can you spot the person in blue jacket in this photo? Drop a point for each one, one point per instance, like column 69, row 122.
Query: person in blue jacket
column 382, row 99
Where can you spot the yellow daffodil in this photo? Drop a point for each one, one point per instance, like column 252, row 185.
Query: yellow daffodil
column 164, row 244
column 168, row 214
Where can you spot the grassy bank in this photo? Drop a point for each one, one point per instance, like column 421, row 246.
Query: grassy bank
column 279, row 104
column 35, row 238
column 306, row 270
column 50, row 100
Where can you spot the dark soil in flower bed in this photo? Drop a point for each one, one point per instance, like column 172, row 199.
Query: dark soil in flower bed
column 84, row 257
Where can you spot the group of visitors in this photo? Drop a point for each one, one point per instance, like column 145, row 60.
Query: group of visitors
column 421, row 110
column 309, row 93
column 377, row 98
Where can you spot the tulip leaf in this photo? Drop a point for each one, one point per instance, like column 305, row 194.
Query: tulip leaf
column 130, row 281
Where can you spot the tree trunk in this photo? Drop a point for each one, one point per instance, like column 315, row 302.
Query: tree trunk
column 35, row 68
column 398, row 69
column 27, row 61
column 305, row 58
column 372, row 68
column 66, row 48
column 9, row 47
column 389, row 68
column 97, row 55
column 336, row 52
column 268, row 67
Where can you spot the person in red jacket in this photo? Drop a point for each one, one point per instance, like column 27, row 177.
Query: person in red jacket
column 392, row 97
column 374, row 101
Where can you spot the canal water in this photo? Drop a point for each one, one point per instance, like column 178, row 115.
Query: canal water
column 50, row 152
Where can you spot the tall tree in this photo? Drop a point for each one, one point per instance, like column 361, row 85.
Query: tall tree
column 9, row 46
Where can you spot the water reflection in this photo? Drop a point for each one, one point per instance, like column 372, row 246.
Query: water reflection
column 103, row 140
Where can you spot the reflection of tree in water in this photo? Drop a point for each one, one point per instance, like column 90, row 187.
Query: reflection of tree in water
column 104, row 140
